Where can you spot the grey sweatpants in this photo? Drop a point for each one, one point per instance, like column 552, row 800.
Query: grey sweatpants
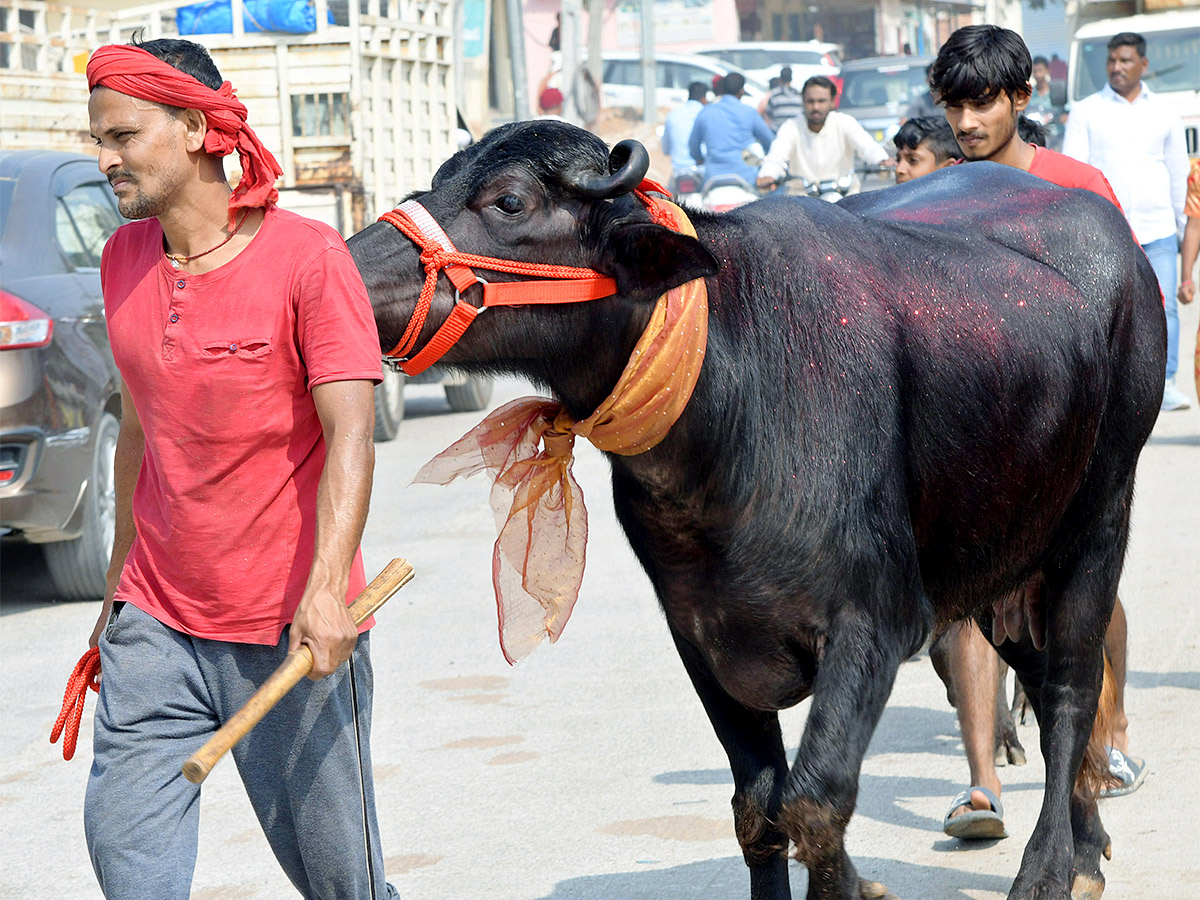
column 306, row 766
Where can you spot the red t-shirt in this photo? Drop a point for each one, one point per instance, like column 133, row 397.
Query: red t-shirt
column 1065, row 171
column 221, row 367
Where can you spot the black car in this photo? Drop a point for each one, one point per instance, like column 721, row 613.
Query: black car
column 60, row 401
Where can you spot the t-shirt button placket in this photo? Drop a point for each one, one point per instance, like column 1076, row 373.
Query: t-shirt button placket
column 168, row 348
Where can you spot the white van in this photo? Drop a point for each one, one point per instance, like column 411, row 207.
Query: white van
column 1173, row 48
column 763, row 59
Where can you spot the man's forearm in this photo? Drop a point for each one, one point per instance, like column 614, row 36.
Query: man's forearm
column 127, row 464
column 1191, row 247
column 343, row 498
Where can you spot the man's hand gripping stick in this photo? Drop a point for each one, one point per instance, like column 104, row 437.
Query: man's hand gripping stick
column 297, row 664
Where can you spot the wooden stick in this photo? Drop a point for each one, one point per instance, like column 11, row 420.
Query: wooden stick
column 295, row 666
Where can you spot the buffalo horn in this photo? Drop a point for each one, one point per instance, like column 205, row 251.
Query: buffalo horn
column 627, row 162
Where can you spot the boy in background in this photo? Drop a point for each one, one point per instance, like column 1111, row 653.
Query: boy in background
column 924, row 145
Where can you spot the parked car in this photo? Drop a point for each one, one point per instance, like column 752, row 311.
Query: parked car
column 878, row 90
column 60, row 401
column 622, row 78
column 762, row 60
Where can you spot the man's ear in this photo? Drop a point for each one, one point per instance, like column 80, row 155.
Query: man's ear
column 648, row 259
column 1020, row 99
column 195, row 124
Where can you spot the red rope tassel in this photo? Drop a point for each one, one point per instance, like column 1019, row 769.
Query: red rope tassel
column 86, row 675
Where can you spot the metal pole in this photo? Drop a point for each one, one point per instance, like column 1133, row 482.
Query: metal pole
column 595, row 61
column 516, row 52
column 649, row 73
column 569, row 32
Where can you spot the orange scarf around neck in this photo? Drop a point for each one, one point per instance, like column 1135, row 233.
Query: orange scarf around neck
column 538, row 558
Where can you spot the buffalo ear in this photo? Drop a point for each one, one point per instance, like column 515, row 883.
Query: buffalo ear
column 647, row 260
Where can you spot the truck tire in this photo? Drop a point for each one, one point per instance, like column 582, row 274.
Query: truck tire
column 472, row 396
column 79, row 567
column 389, row 405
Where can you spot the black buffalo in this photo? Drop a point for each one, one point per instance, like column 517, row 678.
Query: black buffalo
column 914, row 403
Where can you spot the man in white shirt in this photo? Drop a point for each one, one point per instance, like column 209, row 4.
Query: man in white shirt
column 1136, row 139
column 823, row 145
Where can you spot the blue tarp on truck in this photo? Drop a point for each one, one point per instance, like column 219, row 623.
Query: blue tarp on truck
column 216, row 17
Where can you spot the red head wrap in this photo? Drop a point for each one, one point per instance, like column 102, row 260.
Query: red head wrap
column 133, row 71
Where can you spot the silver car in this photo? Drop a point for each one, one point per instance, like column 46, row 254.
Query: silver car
column 877, row 91
column 60, row 397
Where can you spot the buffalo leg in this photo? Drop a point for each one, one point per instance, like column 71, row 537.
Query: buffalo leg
column 1008, row 744
column 1064, row 683
column 754, row 745
column 1088, row 836
column 852, row 685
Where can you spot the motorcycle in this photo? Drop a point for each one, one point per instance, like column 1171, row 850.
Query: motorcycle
column 726, row 192
column 829, row 189
column 833, row 189
column 686, row 186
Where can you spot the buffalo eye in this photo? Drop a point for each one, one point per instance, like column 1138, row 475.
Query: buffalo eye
column 510, row 205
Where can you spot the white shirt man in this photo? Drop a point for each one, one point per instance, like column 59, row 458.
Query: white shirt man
column 821, row 144
column 1136, row 139
column 1140, row 148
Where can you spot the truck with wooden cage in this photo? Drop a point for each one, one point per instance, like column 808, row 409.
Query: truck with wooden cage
column 360, row 111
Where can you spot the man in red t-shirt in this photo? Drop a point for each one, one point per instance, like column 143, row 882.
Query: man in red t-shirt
column 248, row 354
column 981, row 78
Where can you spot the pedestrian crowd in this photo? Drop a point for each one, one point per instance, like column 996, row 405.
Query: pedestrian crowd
column 1125, row 131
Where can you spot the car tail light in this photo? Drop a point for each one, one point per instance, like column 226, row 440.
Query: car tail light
column 22, row 325
column 12, row 461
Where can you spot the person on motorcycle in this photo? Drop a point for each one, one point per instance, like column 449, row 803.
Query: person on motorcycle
column 724, row 129
column 678, row 128
column 783, row 103
column 823, row 146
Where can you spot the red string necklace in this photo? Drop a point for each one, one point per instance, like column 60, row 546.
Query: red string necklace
column 178, row 259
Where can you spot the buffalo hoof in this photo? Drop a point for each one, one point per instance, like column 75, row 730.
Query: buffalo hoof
column 1045, row 892
column 873, row 890
column 1046, row 888
column 1087, row 887
column 1010, row 753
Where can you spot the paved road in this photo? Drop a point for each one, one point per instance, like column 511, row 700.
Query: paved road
column 589, row 772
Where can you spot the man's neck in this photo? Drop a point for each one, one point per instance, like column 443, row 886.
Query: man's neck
column 1015, row 153
column 197, row 221
column 818, row 129
column 1131, row 95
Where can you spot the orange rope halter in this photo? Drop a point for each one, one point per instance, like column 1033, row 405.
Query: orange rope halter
column 569, row 284
column 85, row 675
